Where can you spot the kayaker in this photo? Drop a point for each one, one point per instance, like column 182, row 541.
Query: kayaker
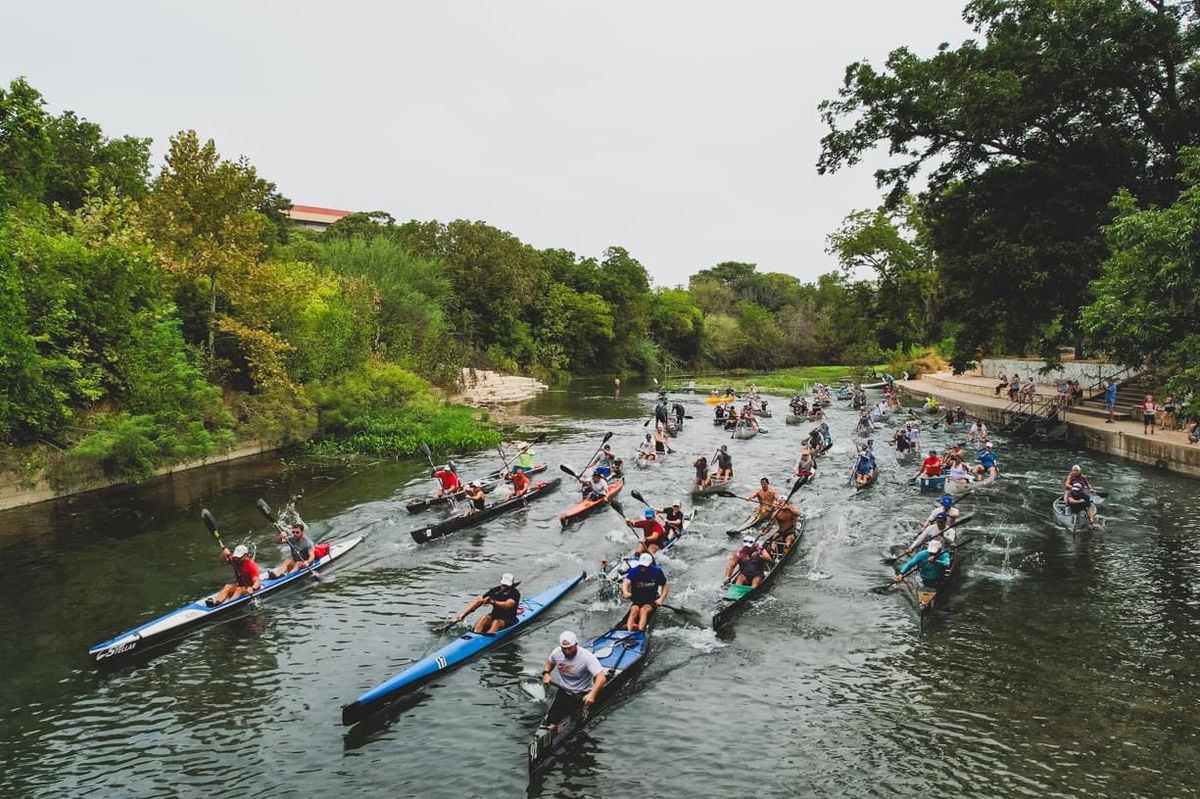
column 504, row 599
column 580, row 677
column 865, row 469
column 900, row 441
column 815, row 440
column 660, row 413
column 680, row 412
column 959, row 472
column 654, row 535
column 645, row 586
column 806, row 467
column 645, row 450
column 720, row 413
column 750, row 560
column 448, row 482
column 945, row 505
column 767, row 499
column 701, row 467
column 596, row 488
column 978, row 430
column 987, row 468
column 673, row 519
column 300, row 547
column 1079, row 501
column 913, row 432
column 863, row 427
column 524, row 460
column 660, row 440
column 724, row 463
column 937, row 529
column 245, row 572
column 933, row 561
column 476, row 498
column 786, row 517
column 1076, row 475
column 604, row 462
column 931, row 466
column 520, row 482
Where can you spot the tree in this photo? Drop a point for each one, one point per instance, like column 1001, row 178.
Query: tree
column 82, row 161
column 202, row 215
column 24, row 144
column 676, row 324
column 362, row 225
column 1147, row 299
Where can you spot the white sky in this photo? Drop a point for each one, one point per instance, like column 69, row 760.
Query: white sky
column 685, row 131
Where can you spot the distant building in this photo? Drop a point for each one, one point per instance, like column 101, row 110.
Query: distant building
column 314, row 218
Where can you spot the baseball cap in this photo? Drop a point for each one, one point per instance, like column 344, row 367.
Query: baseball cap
column 748, row 539
column 646, row 559
column 506, row 579
column 567, row 639
column 240, row 551
column 649, row 513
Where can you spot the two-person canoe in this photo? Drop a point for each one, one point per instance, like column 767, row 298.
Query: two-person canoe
column 736, row 596
column 713, row 487
column 622, row 566
column 195, row 614
column 927, row 598
column 454, row 654
column 488, row 484
column 460, row 522
column 581, row 509
column 621, row 653
column 745, row 431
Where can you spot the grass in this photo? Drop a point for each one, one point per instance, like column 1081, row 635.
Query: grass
column 783, row 380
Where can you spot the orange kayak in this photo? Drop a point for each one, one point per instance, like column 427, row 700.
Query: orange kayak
column 577, row 512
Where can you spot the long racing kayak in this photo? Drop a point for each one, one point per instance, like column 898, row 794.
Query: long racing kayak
column 488, row 484
column 580, row 510
column 455, row 523
column 196, row 613
column 454, row 654
column 622, row 567
column 736, row 596
column 621, row 653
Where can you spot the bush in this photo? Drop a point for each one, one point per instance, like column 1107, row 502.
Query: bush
column 916, row 361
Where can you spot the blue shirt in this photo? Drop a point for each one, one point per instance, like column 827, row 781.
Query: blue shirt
column 931, row 568
column 865, row 464
column 644, row 583
column 987, row 459
column 1110, row 393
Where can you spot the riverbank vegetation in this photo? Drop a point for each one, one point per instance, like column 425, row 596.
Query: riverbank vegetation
column 1057, row 207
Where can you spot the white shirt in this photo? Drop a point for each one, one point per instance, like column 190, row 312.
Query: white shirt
column 959, row 471
column 931, row 531
column 577, row 674
column 952, row 513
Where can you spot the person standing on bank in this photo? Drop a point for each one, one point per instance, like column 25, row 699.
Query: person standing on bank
column 1110, row 400
column 1149, row 409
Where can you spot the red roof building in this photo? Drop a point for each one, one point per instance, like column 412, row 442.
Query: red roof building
column 314, row 218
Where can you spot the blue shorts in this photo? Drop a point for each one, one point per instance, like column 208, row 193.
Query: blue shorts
column 603, row 471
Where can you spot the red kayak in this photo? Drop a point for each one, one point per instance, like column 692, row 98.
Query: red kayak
column 585, row 507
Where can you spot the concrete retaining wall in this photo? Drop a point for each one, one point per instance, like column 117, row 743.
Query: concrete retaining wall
column 1086, row 372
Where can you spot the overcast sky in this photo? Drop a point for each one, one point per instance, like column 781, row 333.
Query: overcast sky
column 686, row 131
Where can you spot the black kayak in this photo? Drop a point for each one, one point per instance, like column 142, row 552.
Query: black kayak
column 455, row 523
column 488, row 484
column 738, row 596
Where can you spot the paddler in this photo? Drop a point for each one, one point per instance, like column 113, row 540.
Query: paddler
column 660, row 412
column 654, row 534
column 939, row 529
column 476, row 498
column 931, row 466
column 524, row 460
column 605, row 461
column 645, row 450
column 245, row 572
column 978, row 431
column 448, row 482
column 301, row 548
column 672, row 519
column 1077, row 476
column 987, row 468
column 767, row 499
column 724, row 463
column 933, row 561
column 959, row 473
column 580, row 677
column 504, row 599
column 806, row 466
column 863, row 426
column 660, row 440
column 865, row 469
column 701, row 467
column 815, row 440
column 900, row 441
column 1079, row 501
column 826, row 437
column 945, row 505
column 680, row 412
column 595, row 488
column 645, row 586
column 786, row 517
column 750, row 560
column 520, row 482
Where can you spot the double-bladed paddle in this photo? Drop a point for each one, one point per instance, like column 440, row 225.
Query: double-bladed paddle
column 441, row 627
column 890, row 559
column 210, row 522
column 574, row 474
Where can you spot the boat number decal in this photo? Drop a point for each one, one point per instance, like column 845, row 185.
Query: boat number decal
column 441, row 661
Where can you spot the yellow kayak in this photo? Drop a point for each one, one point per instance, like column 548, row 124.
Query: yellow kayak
column 714, row 400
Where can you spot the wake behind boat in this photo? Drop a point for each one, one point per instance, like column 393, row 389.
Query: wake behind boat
column 197, row 613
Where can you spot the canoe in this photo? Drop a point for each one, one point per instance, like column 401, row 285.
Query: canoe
column 712, row 488
column 1075, row 522
column 737, row 596
column 745, row 432
column 581, row 509
column 932, row 485
column 488, row 484
column 715, row 400
column 454, row 654
column 460, row 522
column 195, row 614
column 863, row 486
column 925, row 599
column 794, row 419
column 621, row 653
column 762, row 414
column 673, row 426
column 622, row 566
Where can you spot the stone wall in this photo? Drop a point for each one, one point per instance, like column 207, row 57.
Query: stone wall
column 1088, row 373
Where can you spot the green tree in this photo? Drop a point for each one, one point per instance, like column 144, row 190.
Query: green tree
column 676, row 324
column 24, row 144
column 83, row 161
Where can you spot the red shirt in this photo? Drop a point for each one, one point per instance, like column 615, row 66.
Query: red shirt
column 246, row 571
column 447, row 478
column 520, row 482
column 933, row 466
column 651, row 528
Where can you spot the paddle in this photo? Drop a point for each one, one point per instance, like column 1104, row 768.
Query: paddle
column 890, row 559
column 428, row 454
column 795, row 487
column 883, row 589
column 265, row 510
column 603, row 441
column 211, row 523
column 440, row 627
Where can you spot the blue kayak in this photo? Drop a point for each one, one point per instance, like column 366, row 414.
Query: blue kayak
column 197, row 613
column 453, row 655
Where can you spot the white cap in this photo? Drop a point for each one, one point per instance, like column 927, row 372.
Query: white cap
column 934, row 546
column 506, row 579
column 748, row 539
column 240, row 551
column 988, row 445
column 567, row 639
column 646, row 559
column 1076, row 468
column 677, row 504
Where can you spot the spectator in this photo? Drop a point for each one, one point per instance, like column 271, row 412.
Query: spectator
column 1002, row 385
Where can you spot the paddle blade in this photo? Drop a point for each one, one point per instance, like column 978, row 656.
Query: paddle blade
column 265, row 510
column 607, row 436
column 721, row 492
column 568, row 470
column 638, row 496
column 616, row 505
column 883, row 589
column 209, row 521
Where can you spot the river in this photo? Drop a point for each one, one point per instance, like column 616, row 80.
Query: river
column 1061, row 666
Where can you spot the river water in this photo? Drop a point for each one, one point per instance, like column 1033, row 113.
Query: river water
column 1061, row 666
